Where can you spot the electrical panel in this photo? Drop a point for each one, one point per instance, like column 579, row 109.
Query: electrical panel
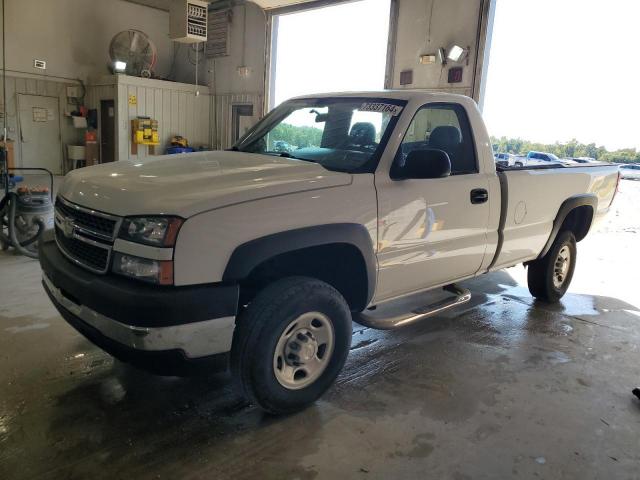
column 188, row 21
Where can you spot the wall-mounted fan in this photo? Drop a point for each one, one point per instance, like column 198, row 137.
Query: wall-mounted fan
column 132, row 52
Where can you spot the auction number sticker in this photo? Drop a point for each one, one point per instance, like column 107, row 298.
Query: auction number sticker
column 381, row 108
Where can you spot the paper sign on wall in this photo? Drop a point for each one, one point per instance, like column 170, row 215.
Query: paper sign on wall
column 133, row 100
column 39, row 114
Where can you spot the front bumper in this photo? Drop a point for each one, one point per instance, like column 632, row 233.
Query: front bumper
column 164, row 329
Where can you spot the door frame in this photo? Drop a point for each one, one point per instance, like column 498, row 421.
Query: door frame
column 115, row 125
column 62, row 155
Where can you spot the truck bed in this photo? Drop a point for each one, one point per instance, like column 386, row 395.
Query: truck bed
column 532, row 197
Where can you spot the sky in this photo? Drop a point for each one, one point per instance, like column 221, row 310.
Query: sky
column 349, row 39
column 563, row 69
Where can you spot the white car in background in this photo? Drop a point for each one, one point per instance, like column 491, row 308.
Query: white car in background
column 543, row 158
column 630, row 172
column 509, row 160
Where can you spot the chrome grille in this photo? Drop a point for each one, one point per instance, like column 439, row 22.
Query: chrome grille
column 85, row 253
column 97, row 223
column 85, row 236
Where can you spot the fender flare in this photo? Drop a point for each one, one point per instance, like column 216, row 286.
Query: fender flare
column 250, row 254
column 585, row 199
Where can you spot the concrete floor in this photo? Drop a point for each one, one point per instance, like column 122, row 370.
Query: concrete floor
column 505, row 388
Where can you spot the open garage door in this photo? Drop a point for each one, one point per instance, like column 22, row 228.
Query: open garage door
column 336, row 48
column 556, row 86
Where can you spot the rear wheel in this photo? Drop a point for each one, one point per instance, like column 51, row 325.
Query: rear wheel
column 290, row 344
column 549, row 277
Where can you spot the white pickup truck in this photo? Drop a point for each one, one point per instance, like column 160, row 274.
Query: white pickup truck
column 259, row 257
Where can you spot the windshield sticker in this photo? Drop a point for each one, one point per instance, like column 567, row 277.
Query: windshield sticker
column 381, row 108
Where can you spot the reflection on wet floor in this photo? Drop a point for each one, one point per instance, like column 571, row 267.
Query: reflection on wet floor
column 496, row 374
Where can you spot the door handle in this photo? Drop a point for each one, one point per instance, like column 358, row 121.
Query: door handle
column 479, row 195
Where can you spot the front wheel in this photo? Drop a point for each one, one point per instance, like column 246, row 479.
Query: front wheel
column 549, row 277
column 290, row 344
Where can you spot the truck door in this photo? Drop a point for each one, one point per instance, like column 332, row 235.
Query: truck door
column 432, row 231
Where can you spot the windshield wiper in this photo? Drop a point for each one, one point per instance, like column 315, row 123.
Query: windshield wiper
column 288, row 155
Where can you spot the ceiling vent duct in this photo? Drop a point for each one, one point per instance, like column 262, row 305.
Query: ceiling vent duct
column 218, row 33
column 188, row 21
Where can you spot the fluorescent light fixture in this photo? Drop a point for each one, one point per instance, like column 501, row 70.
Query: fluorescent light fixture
column 119, row 66
column 457, row 53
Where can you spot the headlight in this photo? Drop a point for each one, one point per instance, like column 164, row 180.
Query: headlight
column 145, row 269
column 156, row 231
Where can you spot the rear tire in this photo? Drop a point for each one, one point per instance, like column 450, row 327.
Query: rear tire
column 290, row 344
column 549, row 277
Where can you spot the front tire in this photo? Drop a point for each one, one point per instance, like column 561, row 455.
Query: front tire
column 549, row 277
column 290, row 344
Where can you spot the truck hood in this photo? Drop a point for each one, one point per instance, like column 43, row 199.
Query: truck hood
column 188, row 184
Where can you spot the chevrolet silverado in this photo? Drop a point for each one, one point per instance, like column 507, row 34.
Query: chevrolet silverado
column 258, row 258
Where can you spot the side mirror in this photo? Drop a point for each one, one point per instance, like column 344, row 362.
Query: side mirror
column 426, row 163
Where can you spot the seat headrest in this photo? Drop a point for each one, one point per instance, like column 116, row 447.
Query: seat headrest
column 362, row 133
column 445, row 137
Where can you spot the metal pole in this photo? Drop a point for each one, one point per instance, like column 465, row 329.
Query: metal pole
column 4, row 172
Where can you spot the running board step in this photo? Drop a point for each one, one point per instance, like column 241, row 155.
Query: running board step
column 461, row 296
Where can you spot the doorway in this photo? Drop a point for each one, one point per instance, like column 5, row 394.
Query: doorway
column 107, row 131
column 39, row 127
column 336, row 48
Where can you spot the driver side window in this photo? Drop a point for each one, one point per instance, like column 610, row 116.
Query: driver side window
column 443, row 127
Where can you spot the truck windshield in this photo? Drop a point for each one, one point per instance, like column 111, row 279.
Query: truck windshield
column 345, row 134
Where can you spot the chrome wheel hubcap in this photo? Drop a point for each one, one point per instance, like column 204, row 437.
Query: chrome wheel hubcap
column 561, row 266
column 303, row 350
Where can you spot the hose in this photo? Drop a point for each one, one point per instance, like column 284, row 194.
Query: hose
column 12, row 238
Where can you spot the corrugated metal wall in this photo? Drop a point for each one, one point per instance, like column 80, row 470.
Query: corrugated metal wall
column 223, row 115
column 37, row 86
column 176, row 106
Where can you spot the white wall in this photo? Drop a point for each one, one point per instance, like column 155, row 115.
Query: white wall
column 73, row 36
column 176, row 107
column 37, row 86
column 247, row 48
column 423, row 26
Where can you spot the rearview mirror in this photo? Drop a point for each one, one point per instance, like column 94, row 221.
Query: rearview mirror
column 426, row 163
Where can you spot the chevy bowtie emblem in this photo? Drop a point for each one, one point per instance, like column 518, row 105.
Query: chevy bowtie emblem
column 67, row 227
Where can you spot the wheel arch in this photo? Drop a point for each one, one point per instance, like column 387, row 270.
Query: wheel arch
column 340, row 254
column 575, row 214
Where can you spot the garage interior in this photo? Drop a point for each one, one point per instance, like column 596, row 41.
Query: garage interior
column 503, row 387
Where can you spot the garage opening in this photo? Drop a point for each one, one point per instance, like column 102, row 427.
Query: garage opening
column 331, row 49
column 557, row 89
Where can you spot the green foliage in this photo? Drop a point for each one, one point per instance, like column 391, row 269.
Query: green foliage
column 573, row 148
column 296, row 136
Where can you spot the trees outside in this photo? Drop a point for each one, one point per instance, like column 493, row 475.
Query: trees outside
column 573, row 148
column 297, row 136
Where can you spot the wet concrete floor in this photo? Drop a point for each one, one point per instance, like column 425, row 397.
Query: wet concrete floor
column 504, row 387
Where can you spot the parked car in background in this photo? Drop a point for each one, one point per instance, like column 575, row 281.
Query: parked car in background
column 630, row 172
column 585, row 160
column 549, row 158
column 509, row 160
column 282, row 146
